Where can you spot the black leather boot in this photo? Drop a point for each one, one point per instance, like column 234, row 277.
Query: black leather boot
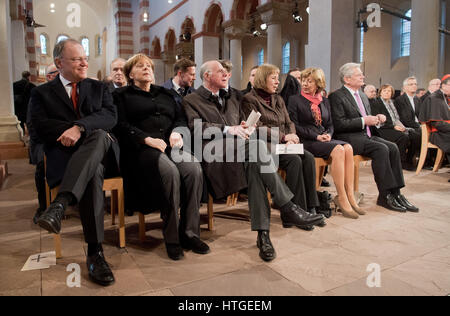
column 266, row 250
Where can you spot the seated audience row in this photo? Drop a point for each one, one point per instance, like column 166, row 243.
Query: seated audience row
column 78, row 120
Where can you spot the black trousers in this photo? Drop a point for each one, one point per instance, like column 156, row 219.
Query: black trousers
column 39, row 179
column 262, row 175
column 301, row 178
column 386, row 164
column 408, row 143
column 183, row 187
column 83, row 178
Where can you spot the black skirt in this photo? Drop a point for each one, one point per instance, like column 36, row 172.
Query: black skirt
column 322, row 150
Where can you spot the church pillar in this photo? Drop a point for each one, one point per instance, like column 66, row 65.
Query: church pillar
column 10, row 131
column 273, row 14
column 235, row 32
column 424, row 59
column 144, row 36
column 124, row 26
column 206, row 49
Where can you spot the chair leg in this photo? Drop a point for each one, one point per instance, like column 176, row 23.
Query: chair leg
column 439, row 160
column 423, row 158
column 57, row 240
column 114, row 206
column 356, row 180
column 121, row 212
column 210, row 213
column 141, row 227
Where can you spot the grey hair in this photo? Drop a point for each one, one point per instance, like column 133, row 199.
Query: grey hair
column 59, row 48
column 205, row 68
column 347, row 70
column 405, row 82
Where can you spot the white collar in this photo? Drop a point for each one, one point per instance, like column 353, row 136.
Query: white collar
column 64, row 81
column 176, row 87
column 351, row 90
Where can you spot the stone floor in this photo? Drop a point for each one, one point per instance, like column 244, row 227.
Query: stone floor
column 412, row 250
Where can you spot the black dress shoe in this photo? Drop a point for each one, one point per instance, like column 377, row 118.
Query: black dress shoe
column 99, row 270
column 390, row 203
column 401, row 199
column 325, row 183
column 313, row 211
column 51, row 219
column 38, row 214
column 196, row 245
column 300, row 218
column 175, row 252
column 266, row 250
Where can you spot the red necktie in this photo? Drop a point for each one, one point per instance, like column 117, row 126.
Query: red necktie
column 75, row 97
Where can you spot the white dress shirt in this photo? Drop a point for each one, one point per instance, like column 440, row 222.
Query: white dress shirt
column 352, row 92
column 67, row 85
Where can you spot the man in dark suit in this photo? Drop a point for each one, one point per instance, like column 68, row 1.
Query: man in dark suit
column 117, row 75
column 37, row 152
column 408, row 104
column 354, row 124
column 183, row 81
column 72, row 115
column 212, row 110
column 22, row 92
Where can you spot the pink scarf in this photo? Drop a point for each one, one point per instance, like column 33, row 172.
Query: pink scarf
column 315, row 106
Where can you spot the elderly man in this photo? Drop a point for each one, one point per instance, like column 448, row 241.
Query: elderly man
column 37, row 152
column 371, row 92
column 72, row 115
column 354, row 124
column 117, row 75
column 433, row 86
column 211, row 109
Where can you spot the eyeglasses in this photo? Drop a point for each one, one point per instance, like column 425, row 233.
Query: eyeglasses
column 53, row 72
column 78, row 60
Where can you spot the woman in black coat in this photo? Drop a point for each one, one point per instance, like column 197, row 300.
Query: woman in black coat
column 311, row 114
column 148, row 117
column 393, row 130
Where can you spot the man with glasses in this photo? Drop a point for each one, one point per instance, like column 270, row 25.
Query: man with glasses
column 72, row 115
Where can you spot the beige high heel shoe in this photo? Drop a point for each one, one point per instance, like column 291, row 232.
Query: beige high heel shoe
column 357, row 209
column 347, row 213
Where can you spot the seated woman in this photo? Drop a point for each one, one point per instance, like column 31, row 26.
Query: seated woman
column 394, row 130
column 148, row 116
column 300, row 169
column 311, row 114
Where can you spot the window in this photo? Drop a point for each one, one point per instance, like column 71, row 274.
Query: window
column 99, row 48
column 44, row 43
column 261, row 57
column 361, row 51
column 61, row 38
column 286, row 58
column 406, row 36
column 85, row 44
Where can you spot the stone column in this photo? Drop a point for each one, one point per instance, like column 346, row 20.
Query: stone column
column 206, row 49
column 273, row 14
column 10, row 131
column 144, row 29
column 424, row 59
column 331, row 37
column 124, row 26
column 235, row 32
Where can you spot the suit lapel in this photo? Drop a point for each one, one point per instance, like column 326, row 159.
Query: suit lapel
column 61, row 92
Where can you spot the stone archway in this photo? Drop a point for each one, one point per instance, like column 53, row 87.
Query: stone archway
column 186, row 47
column 168, row 56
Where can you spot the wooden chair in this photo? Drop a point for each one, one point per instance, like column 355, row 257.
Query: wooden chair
column 426, row 145
column 358, row 160
column 321, row 165
column 113, row 185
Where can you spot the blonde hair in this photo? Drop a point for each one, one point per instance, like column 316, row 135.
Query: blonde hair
column 263, row 72
column 317, row 75
column 133, row 61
